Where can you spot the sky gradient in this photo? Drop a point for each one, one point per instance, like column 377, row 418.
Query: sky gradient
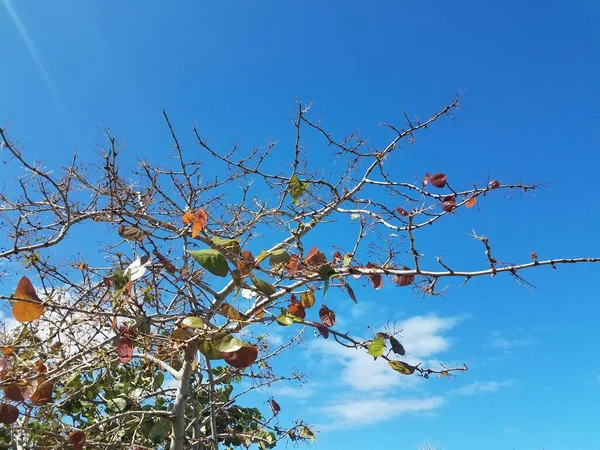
column 528, row 74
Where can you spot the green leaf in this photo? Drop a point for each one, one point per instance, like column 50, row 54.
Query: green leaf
column 279, row 257
column 233, row 245
column 118, row 403
column 262, row 286
column 307, row 433
column 193, row 322
column 159, row 378
column 376, row 347
column 326, row 272
column 402, row 367
column 284, row 319
column 208, row 349
column 211, row 260
column 229, row 344
column 347, row 259
column 297, row 188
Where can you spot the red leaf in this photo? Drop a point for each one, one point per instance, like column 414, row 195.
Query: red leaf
column 200, row 220
column 77, row 439
column 8, row 413
column 494, row 184
column 293, row 265
column 438, row 180
column 403, row 280
column 274, row 407
column 337, row 257
column 426, row 179
column 327, row 316
column 449, row 203
column 125, row 349
column 402, row 212
column 377, row 279
column 323, row 330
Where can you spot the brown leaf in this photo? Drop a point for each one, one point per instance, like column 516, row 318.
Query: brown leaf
column 14, row 393
column 26, row 311
column 125, row 349
column 471, row 202
column 132, row 233
column 377, row 279
column 323, row 330
column 242, row 358
column 337, row 257
column 40, row 367
column 315, row 258
column 77, row 439
column 231, row 312
column 274, row 407
column 397, row 347
column 403, row 280
column 402, row 212
column 327, row 316
column 8, row 413
column 200, row 220
column 296, row 309
column 188, row 218
column 293, row 265
column 449, row 203
column 426, row 179
column 438, row 180
column 43, row 392
column 494, row 184
column 245, row 263
column 534, row 256
column 8, row 351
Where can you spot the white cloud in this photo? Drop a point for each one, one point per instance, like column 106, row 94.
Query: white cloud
column 498, row 341
column 422, row 335
column 483, row 387
column 350, row 412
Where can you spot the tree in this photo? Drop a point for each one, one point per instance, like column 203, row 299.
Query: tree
column 140, row 341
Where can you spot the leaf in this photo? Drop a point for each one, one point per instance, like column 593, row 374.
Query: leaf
column 323, row 330
column 397, row 347
column 77, row 439
column 193, row 322
column 119, row 403
column 307, row 298
column 426, row 179
column 284, row 319
column 355, row 216
column 43, row 392
column 262, row 286
column 26, row 311
column 376, row 347
column 228, row 344
column 293, row 265
column 347, row 259
column 209, row 350
column 297, row 188
column 230, row 312
column 307, row 433
column 125, row 349
column 350, row 292
column 211, row 260
column 275, row 408
column 337, row 257
column 326, row 272
column 494, row 184
column 471, row 202
column 8, row 413
column 402, row 367
column 438, row 180
column 402, row 212
column 279, row 257
column 315, row 257
column 403, row 280
column 242, row 358
column 200, row 219
column 188, row 218
column 449, row 203
column 296, row 309
column 245, row 263
column 230, row 245
column 377, row 279
column 327, row 316
column 137, row 269
column 132, row 233
column 13, row 393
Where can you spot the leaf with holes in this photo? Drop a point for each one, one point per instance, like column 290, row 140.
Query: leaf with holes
column 397, row 347
column 402, row 367
column 211, row 260
column 327, row 316
column 32, row 309
column 376, row 347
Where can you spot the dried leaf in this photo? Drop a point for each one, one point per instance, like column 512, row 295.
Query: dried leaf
column 188, row 218
column 200, row 219
column 26, row 311
column 438, row 180
column 14, row 393
column 293, row 265
column 242, row 358
column 132, row 233
column 77, row 439
column 323, row 330
column 494, row 184
column 337, row 257
column 471, row 202
column 377, row 279
column 327, row 316
column 275, row 408
column 449, row 203
column 43, row 392
column 402, row 367
column 296, row 309
column 125, row 349
column 402, row 212
column 403, row 280
column 231, row 312
column 315, row 258
column 307, row 298
column 426, row 179
column 245, row 263
column 397, row 347
column 8, row 413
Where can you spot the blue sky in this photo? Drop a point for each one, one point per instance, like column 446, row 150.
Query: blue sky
column 528, row 71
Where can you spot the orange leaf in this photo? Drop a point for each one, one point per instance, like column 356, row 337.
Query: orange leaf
column 27, row 311
column 199, row 222
column 188, row 217
column 296, row 309
column 245, row 263
column 471, row 202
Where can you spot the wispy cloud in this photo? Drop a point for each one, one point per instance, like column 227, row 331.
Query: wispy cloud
column 499, row 341
column 483, row 387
